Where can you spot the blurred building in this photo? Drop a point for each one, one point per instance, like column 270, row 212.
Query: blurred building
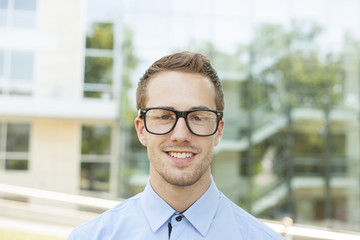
column 52, row 135
column 291, row 80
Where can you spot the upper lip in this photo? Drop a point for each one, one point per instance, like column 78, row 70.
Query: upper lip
column 178, row 150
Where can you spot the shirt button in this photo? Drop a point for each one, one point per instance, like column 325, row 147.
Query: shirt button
column 178, row 218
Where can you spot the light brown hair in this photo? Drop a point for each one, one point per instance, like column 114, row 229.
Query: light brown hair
column 183, row 62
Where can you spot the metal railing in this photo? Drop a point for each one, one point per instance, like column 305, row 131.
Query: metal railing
column 290, row 231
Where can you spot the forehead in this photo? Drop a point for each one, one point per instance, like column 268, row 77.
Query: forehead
column 180, row 90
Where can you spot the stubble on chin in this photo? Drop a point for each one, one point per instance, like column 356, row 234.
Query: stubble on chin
column 179, row 176
column 184, row 176
column 184, row 180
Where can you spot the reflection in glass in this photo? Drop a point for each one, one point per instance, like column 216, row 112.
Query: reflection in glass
column 98, row 76
column 95, row 176
column 16, row 164
column 24, row 20
column 25, row 5
column 14, row 146
column 100, row 36
column 22, row 66
column 96, row 140
column 2, row 63
column 4, row 4
column 95, row 158
column 98, row 70
column 18, row 135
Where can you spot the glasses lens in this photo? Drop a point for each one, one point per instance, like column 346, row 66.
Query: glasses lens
column 160, row 121
column 202, row 122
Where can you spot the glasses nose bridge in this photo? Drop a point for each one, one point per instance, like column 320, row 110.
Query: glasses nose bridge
column 182, row 114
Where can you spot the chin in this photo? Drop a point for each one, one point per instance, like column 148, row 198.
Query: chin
column 184, row 180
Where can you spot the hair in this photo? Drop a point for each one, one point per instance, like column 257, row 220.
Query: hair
column 182, row 62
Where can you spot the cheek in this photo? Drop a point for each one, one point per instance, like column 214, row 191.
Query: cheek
column 152, row 143
column 143, row 140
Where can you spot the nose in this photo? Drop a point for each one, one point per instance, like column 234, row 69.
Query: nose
column 181, row 133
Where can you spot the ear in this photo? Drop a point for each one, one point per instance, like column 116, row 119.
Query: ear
column 140, row 130
column 219, row 132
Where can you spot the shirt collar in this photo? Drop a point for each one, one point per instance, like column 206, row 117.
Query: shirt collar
column 156, row 210
column 200, row 214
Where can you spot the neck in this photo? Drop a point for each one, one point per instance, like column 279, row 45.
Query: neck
column 180, row 198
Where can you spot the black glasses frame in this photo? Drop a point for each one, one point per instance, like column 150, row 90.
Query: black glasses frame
column 179, row 114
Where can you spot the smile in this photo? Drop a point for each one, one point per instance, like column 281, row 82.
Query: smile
column 181, row 154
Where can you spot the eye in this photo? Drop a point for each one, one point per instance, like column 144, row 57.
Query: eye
column 198, row 118
column 165, row 117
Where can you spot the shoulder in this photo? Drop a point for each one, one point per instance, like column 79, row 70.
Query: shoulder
column 250, row 225
column 105, row 222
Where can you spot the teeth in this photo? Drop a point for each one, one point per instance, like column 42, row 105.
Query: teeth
column 181, row 155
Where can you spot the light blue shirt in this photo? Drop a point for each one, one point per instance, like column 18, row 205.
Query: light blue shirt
column 146, row 216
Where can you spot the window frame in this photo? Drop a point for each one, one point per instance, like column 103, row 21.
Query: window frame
column 94, row 158
column 10, row 86
column 11, row 14
column 105, row 90
column 6, row 155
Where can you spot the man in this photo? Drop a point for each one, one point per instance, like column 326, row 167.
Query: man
column 180, row 121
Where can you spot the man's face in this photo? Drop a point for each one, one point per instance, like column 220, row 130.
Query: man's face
column 179, row 157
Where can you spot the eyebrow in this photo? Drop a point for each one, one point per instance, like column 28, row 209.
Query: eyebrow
column 192, row 108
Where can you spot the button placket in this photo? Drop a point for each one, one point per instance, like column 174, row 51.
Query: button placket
column 178, row 218
column 178, row 226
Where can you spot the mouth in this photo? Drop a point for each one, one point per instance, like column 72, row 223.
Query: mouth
column 180, row 155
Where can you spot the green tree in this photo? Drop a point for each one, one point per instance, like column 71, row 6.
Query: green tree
column 99, row 69
column 301, row 73
column 129, row 63
column 100, row 36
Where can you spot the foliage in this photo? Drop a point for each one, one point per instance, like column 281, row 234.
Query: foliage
column 101, row 36
column 130, row 62
column 304, row 75
column 99, row 70
column 287, row 68
column 96, row 140
column 224, row 63
column 17, row 137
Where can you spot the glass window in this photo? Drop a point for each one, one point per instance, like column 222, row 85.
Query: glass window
column 2, row 64
column 25, row 5
column 95, row 158
column 16, row 164
column 2, row 146
column 103, row 11
column 16, row 77
column 21, row 20
column 3, row 17
column 14, row 145
column 99, row 61
column 98, row 82
column 98, row 77
column 95, row 176
column 22, row 66
column 308, row 143
column 4, row 4
column 100, row 36
column 18, row 13
column 17, row 137
column 98, row 70
column 96, row 140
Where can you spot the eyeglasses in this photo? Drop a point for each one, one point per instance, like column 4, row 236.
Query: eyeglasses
column 201, row 122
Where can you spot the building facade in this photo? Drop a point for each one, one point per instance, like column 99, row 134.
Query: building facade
column 45, row 114
column 68, row 70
